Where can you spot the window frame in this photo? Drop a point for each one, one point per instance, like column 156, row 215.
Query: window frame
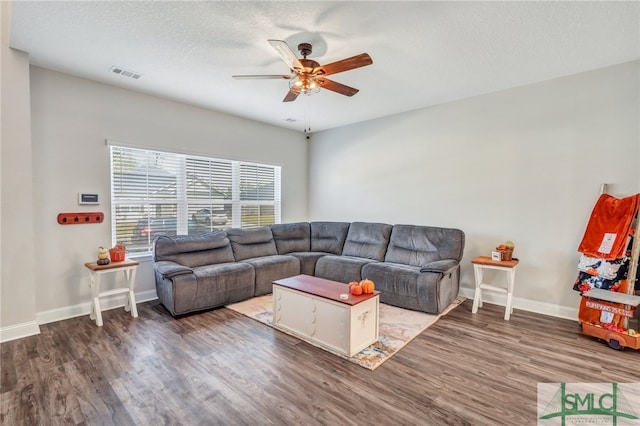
column 261, row 193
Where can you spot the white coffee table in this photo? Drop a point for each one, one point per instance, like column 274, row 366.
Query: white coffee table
column 311, row 308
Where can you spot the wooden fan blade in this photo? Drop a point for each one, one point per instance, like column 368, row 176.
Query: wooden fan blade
column 287, row 55
column 277, row 76
column 291, row 96
column 325, row 83
column 357, row 61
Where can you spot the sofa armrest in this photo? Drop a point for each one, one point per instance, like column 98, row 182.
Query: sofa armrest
column 440, row 266
column 170, row 269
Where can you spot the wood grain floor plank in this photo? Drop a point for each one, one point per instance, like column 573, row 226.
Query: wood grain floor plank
column 10, row 354
column 219, row 367
column 98, row 402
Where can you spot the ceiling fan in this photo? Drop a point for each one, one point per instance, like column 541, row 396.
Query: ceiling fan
column 307, row 76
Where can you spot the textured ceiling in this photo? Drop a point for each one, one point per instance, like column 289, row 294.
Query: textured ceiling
column 424, row 53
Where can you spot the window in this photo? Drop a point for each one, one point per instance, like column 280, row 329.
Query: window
column 162, row 193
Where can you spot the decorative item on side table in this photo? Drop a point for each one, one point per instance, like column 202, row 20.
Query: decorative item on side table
column 505, row 250
column 103, row 257
column 117, row 253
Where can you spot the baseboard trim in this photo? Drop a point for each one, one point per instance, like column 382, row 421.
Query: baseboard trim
column 31, row 328
column 106, row 303
column 26, row 329
column 18, row 331
column 543, row 308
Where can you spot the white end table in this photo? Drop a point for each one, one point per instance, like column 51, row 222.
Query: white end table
column 509, row 266
column 96, row 271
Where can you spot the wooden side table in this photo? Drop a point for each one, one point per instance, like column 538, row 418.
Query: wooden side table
column 509, row 266
column 96, row 271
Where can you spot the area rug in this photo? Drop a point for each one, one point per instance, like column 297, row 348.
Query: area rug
column 396, row 327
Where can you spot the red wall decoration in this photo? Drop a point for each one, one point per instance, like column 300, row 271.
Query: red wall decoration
column 78, row 218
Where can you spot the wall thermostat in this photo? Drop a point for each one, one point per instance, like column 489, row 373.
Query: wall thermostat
column 86, row 198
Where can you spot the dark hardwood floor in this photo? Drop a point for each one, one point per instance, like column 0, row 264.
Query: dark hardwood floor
column 219, row 367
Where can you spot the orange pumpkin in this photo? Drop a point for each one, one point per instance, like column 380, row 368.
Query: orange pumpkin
column 352, row 283
column 356, row 289
column 367, row 286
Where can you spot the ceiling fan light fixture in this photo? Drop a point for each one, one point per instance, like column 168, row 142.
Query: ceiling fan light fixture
column 308, row 76
column 306, row 84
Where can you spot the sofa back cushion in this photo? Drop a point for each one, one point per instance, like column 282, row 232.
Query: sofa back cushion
column 328, row 237
column 419, row 245
column 252, row 242
column 368, row 240
column 193, row 250
column 292, row 237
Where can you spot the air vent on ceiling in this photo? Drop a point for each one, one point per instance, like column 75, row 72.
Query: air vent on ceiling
column 290, row 120
column 125, row 73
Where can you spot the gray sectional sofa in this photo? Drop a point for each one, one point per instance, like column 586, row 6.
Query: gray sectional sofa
column 414, row 267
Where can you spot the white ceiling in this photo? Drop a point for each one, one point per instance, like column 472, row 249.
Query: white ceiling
column 424, row 53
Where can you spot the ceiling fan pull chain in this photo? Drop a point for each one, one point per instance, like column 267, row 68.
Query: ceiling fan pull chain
column 308, row 116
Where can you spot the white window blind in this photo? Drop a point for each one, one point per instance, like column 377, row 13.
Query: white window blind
column 161, row 193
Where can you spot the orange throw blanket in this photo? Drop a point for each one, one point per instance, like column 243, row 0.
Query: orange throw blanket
column 609, row 227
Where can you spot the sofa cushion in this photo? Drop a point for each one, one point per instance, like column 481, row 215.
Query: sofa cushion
column 290, row 237
column 367, row 240
column 252, row 242
column 207, row 287
column 405, row 286
column 420, row 245
column 193, row 250
column 270, row 268
column 308, row 260
column 342, row 269
column 223, row 284
column 328, row 237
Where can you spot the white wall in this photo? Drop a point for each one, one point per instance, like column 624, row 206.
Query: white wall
column 17, row 260
column 524, row 164
column 72, row 117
